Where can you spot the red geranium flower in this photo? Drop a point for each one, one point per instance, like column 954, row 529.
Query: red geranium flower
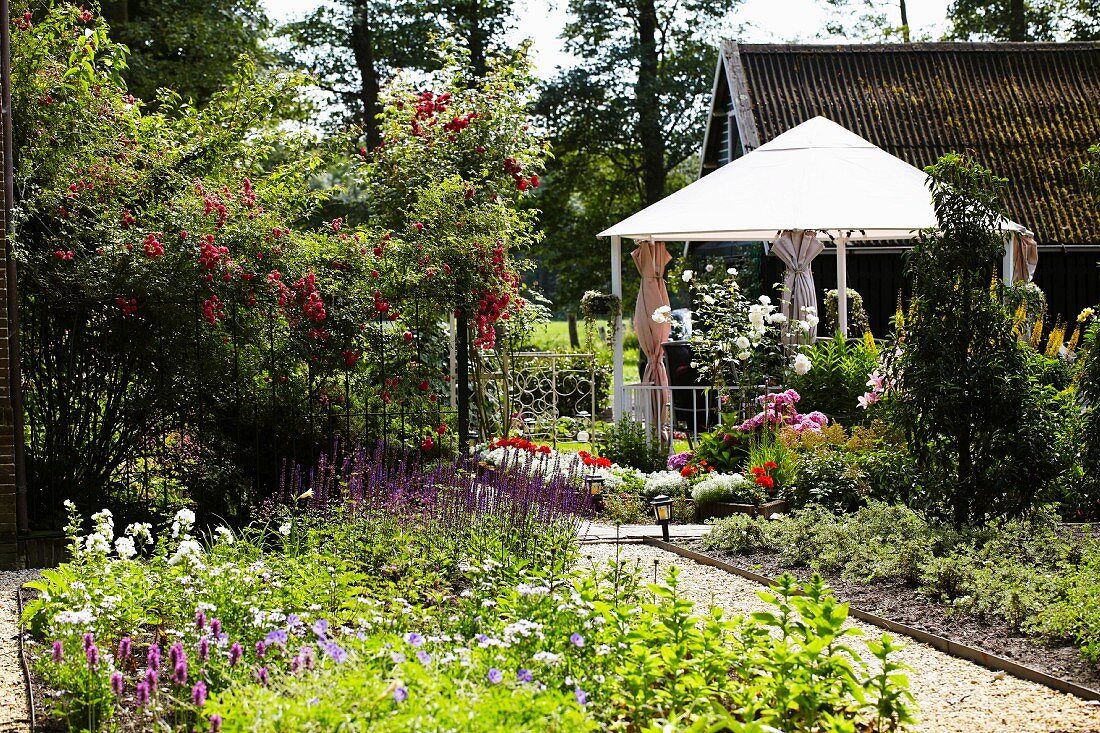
column 771, row 465
column 766, row 481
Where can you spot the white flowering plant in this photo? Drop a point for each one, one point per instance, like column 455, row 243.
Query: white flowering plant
column 741, row 342
column 726, row 487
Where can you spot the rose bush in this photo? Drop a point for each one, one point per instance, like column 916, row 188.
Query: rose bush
column 189, row 313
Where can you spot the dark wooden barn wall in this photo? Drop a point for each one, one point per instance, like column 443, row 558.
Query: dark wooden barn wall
column 1071, row 281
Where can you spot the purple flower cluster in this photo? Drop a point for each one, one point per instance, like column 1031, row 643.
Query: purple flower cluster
column 452, row 497
column 679, row 460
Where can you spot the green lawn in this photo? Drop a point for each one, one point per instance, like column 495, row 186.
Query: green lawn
column 554, row 336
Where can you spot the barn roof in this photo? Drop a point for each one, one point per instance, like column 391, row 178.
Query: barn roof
column 1027, row 111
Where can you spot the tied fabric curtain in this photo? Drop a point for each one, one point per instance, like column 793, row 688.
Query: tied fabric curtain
column 797, row 249
column 651, row 258
column 1025, row 258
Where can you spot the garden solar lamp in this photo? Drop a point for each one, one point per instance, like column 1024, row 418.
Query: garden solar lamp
column 662, row 512
column 582, row 435
column 593, row 483
column 472, row 437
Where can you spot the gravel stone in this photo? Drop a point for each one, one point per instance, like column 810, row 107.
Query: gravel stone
column 953, row 695
column 14, row 712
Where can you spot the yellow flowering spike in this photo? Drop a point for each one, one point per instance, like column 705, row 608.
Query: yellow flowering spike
column 1055, row 339
column 869, row 341
column 993, row 288
column 1071, row 347
column 1018, row 320
column 1036, row 333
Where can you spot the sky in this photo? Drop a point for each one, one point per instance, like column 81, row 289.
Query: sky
column 755, row 21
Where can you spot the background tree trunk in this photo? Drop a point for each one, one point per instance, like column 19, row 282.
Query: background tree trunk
column 651, row 137
column 116, row 11
column 1017, row 21
column 362, row 46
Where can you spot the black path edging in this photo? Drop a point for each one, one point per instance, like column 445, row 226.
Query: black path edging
column 955, row 649
column 33, row 722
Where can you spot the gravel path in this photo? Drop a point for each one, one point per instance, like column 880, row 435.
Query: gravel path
column 14, row 714
column 953, row 694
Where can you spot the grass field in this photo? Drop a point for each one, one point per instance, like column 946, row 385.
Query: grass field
column 554, row 336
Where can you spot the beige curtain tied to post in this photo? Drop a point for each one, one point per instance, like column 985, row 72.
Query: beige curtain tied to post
column 797, row 250
column 651, row 258
column 1025, row 258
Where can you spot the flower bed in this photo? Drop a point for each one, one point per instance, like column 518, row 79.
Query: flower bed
column 404, row 597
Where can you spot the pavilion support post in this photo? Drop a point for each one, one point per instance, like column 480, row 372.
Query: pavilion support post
column 617, row 290
column 842, row 284
column 1008, row 262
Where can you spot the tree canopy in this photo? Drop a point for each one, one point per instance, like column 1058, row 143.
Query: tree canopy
column 625, row 123
column 353, row 47
column 190, row 46
column 1024, row 20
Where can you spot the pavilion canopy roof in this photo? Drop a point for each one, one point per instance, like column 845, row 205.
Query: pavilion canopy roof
column 816, row 176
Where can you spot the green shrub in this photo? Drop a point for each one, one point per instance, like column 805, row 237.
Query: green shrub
column 877, row 542
column 1090, row 394
column 889, row 474
column 740, row 533
column 837, row 380
column 830, row 478
column 629, row 443
column 977, row 422
column 726, row 448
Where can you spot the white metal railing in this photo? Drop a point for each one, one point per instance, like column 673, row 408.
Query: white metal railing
column 692, row 410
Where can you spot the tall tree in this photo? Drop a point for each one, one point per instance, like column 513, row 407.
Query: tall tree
column 352, row 47
column 1025, row 20
column 190, row 46
column 871, row 20
column 623, row 119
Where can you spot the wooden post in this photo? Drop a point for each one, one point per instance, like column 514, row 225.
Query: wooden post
column 462, row 367
column 13, row 515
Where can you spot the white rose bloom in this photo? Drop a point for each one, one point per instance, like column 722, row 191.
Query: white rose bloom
column 803, row 325
column 687, row 276
column 777, row 318
column 742, row 342
column 662, row 314
column 710, row 268
column 709, row 299
column 801, row 364
column 124, row 546
column 744, row 356
column 731, row 271
column 765, row 300
column 812, row 320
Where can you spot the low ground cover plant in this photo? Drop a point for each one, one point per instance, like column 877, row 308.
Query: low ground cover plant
column 367, row 602
column 1031, row 572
